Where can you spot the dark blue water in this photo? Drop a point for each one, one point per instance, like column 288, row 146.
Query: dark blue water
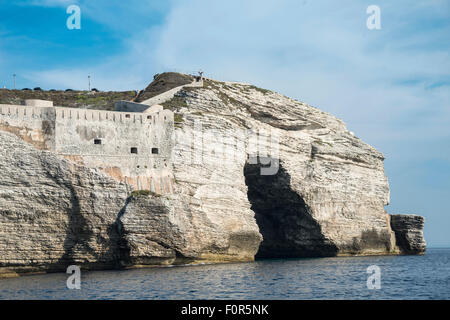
column 402, row 277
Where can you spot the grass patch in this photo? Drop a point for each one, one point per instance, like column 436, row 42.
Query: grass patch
column 143, row 193
column 72, row 99
column 175, row 103
column 226, row 99
column 178, row 120
column 211, row 83
column 263, row 91
column 178, row 117
column 322, row 143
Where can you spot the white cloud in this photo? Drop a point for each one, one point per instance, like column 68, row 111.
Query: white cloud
column 319, row 52
column 50, row 3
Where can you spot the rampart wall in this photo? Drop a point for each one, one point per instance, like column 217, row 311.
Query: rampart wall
column 35, row 125
column 131, row 147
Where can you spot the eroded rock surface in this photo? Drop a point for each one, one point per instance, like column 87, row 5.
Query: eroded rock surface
column 409, row 233
column 326, row 199
column 55, row 213
column 165, row 230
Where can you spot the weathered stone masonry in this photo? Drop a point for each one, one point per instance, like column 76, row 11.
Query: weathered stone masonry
column 132, row 147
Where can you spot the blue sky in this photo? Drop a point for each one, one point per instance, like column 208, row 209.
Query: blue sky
column 391, row 86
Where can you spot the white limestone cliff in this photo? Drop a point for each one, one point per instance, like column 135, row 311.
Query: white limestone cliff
column 327, row 197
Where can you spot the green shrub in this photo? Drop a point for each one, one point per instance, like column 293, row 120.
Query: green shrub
column 177, row 117
column 143, row 193
column 175, row 103
column 263, row 91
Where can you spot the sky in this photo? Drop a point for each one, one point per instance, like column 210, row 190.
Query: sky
column 389, row 85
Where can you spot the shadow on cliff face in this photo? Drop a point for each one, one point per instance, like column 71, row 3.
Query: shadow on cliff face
column 283, row 217
column 80, row 240
column 115, row 231
column 78, row 231
column 370, row 240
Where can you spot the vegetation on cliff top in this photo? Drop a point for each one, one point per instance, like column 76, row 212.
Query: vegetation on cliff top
column 163, row 82
column 70, row 99
column 105, row 100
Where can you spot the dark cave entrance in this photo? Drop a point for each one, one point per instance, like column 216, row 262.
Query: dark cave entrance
column 283, row 217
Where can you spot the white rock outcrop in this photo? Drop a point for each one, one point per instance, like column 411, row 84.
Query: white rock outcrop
column 327, row 197
column 55, row 213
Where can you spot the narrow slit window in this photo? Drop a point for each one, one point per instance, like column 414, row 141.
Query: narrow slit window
column 97, row 141
column 155, row 151
column 134, row 150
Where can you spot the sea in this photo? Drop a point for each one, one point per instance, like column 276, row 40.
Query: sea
column 376, row 277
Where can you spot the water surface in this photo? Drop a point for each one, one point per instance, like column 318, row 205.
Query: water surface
column 402, row 277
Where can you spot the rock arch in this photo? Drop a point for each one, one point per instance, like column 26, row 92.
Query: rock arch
column 283, row 217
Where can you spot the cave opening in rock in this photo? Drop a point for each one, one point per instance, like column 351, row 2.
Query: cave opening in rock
column 283, row 217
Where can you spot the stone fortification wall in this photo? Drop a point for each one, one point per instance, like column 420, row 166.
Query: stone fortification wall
column 35, row 125
column 131, row 147
column 128, row 106
column 38, row 103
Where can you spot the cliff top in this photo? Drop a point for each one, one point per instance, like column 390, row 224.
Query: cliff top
column 102, row 100
column 162, row 83
column 71, row 99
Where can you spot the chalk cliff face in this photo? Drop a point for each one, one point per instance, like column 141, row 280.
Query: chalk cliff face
column 409, row 233
column 326, row 197
column 165, row 230
column 55, row 213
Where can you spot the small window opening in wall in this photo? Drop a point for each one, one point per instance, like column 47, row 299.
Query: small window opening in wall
column 165, row 118
column 149, row 117
column 134, row 150
column 97, row 141
column 155, row 151
column 127, row 116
